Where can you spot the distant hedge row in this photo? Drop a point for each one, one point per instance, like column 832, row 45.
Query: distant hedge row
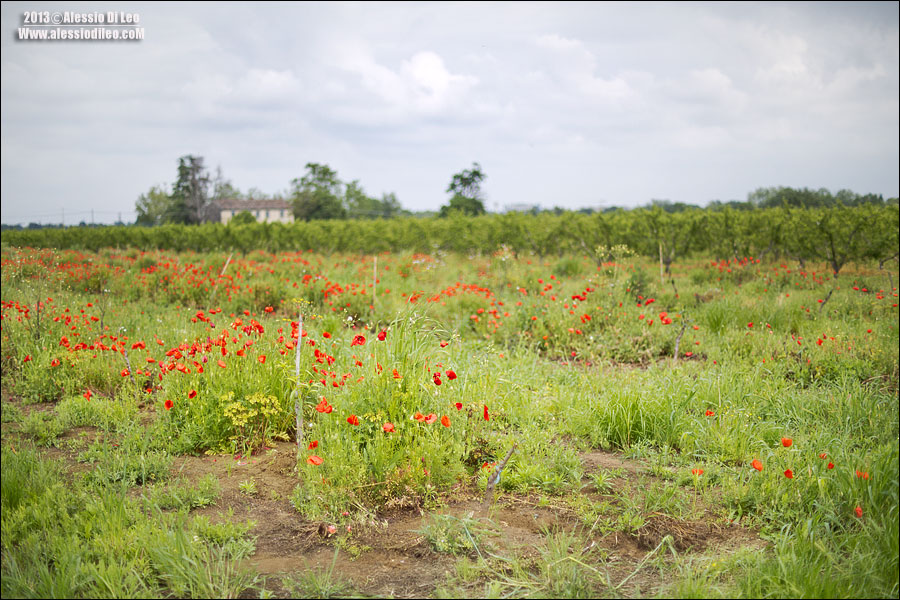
column 837, row 235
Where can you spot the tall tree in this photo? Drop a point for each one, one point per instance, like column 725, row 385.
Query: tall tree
column 191, row 191
column 223, row 189
column 466, row 189
column 154, row 207
column 390, row 206
column 358, row 204
column 317, row 195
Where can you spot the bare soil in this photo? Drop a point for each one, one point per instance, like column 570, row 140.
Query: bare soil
column 387, row 555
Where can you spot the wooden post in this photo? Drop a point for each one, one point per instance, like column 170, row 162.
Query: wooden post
column 216, row 284
column 661, row 281
column 298, row 402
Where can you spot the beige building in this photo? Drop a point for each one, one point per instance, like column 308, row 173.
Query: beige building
column 265, row 211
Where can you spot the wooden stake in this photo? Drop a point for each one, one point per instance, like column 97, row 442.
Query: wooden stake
column 216, row 285
column 661, row 281
column 298, row 402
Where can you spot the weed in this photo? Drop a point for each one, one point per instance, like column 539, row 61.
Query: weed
column 248, row 487
column 228, row 537
column 456, row 535
column 602, row 481
column 184, row 495
column 188, row 568
column 317, row 583
column 43, row 427
column 11, row 413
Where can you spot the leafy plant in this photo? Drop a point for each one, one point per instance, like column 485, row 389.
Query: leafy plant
column 456, row 535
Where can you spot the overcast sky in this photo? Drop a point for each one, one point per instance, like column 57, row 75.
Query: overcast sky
column 572, row 105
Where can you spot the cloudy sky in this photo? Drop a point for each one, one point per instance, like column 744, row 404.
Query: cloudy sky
column 570, row 105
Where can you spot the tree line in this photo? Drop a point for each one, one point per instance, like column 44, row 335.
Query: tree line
column 317, row 195
column 836, row 235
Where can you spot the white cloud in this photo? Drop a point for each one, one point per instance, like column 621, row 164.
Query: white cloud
column 573, row 67
column 619, row 101
column 421, row 86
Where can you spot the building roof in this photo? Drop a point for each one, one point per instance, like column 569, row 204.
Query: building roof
column 237, row 204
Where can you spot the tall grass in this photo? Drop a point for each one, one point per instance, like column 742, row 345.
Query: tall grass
column 557, row 356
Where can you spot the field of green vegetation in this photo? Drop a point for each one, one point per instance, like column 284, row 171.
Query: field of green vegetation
column 268, row 424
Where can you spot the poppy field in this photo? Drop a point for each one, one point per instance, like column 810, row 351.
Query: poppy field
column 273, row 424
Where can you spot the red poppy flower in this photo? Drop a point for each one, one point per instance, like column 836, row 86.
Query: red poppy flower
column 315, row 460
column 269, row 309
column 750, row 325
column 54, row 362
column 858, row 511
column 353, row 420
column 88, row 395
column 710, row 413
column 262, row 359
column 862, row 474
column 445, row 421
column 431, row 418
column 27, row 358
column 789, row 474
column 382, row 335
column 388, row 427
column 437, row 379
column 831, row 465
column 823, row 455
column 169, row 404
column 458, row 406
column 313, row 444
column 397, row 375
column 124, row 373
column 444, row 344
column 756, row 464
column 486, row 417
column 786, row 442
column 221, row 363
column 192, row 394
column 323, row 406
column 358, row 340
column 697, row 472
column 419, row 417
column 451, row 374
column 326, row 335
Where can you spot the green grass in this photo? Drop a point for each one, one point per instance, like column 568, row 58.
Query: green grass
column 70, row 540
column 183, row 495
column 554, row 352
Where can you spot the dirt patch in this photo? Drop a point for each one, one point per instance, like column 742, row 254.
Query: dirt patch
column 273, row 469
column 597, row 460
column 392, row 557
column 279, row 527
column 389, row 555
column 684, row 535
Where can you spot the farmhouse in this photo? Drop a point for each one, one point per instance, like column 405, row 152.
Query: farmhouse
column 265, row 211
